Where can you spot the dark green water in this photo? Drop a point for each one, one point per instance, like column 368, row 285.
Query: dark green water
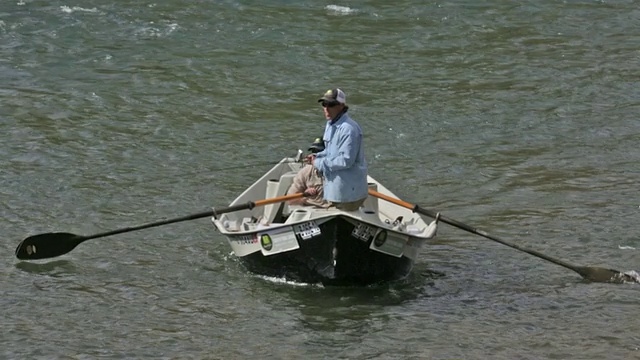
column 519, row 118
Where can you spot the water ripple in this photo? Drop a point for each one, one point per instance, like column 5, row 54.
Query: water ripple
column 518, row 118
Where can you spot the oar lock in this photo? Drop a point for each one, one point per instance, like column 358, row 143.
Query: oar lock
column 396, row 224
column 437, row 218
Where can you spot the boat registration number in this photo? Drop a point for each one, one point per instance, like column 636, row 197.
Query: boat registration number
column 363, row 232
column 307, row 230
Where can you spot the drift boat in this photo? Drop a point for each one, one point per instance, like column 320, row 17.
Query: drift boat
column 316, row 245
column 378, row 242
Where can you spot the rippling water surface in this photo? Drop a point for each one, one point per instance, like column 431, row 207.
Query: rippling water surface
column 519, row 118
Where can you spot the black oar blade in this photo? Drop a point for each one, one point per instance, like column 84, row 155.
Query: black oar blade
column 599, row 274
column 47, row 245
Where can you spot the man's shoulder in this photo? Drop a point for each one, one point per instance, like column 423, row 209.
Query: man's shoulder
column 306, row 170
column 350, row 124
column 345, row 120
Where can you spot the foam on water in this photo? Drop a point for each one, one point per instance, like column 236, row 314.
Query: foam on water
column 633, row 275
column 157, row 32
column 340, row 10
column 278, row 280
column 70, row 10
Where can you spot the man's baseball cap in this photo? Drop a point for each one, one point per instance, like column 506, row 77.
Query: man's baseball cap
column 317, row 145
column 334, row 96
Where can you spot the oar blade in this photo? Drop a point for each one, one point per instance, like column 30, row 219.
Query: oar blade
column 44, row 246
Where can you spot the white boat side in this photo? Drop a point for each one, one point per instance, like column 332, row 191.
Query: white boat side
column 377, row 227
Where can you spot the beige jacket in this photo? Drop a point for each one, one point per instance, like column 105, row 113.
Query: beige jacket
column 306, row 178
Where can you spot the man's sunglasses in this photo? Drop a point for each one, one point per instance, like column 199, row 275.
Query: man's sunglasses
column 327, row 104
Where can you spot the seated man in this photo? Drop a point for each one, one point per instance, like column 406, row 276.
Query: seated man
column 309, row 181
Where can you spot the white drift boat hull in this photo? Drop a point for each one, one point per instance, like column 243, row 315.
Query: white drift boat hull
column 376, row 243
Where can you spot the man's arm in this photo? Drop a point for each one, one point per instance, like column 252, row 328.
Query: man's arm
column 348, row 147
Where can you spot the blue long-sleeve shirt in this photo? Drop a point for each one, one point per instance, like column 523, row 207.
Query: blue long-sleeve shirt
column 342, row 162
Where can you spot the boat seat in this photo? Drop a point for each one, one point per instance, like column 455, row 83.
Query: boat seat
column 370, row 205
column 298, row 213
column 277, row 188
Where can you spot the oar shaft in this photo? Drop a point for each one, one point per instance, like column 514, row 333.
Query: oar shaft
column 149, row 225
column 50, row 245
column 463, row 226
column 248, row 205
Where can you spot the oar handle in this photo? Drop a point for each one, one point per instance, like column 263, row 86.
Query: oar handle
column 392, row 199
column 278, row 199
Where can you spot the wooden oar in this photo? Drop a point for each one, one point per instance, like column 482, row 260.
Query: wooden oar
column 591, row 273
column 50, row 245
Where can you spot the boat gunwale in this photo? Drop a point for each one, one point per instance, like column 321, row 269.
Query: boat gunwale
column 291, row 164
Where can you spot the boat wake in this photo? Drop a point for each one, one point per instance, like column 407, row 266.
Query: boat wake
column 629, row 277
column 281, row 280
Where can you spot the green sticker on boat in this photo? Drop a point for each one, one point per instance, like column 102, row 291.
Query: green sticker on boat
column 380, row 238
column 265, row 241
column 388, row 243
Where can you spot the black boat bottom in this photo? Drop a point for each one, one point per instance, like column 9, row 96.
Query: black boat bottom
column 334, row 257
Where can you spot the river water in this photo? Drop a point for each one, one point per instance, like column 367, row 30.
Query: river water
column 516, row 117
